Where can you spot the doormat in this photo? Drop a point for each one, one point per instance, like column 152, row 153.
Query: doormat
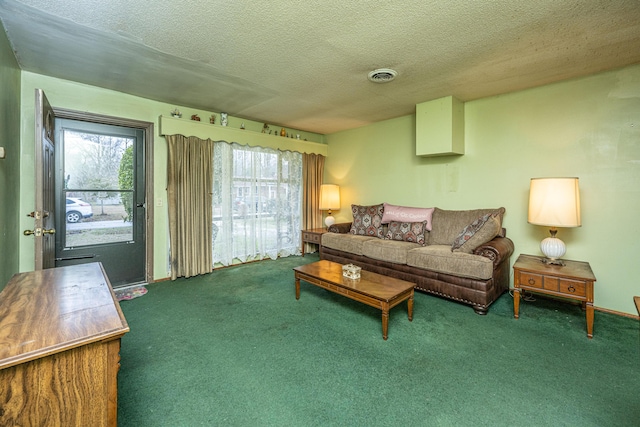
column 130, row 293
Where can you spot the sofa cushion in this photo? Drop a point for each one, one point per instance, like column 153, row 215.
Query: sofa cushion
column 388, row 250
column 439, row 258
column 367, row 220
column 448, row 224
column 406, row 214
column 345, row 242
column 413, row 232
column 477, row 233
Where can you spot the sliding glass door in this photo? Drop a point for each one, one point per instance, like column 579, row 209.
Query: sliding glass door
column 257, row 200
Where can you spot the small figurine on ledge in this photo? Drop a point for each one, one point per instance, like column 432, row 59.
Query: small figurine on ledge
column 195, row 117
column 265, row 128
column 212, row 119
column 176, row 113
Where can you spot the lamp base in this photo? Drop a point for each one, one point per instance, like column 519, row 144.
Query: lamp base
column 550, row 261
column 553, row 248
column 329, row 221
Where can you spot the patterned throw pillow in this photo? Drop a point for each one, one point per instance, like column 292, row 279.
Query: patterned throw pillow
column 407, row 231
column 367, row 220
column 477, row 233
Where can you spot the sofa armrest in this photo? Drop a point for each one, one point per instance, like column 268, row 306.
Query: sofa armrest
column 497, row 250
column 343, row 227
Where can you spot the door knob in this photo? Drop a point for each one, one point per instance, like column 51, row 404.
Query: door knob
column 39, row 232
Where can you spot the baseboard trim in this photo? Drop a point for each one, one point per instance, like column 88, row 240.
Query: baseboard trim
column 619, row 313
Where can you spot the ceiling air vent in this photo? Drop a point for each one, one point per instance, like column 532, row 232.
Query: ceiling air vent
column 382, row 75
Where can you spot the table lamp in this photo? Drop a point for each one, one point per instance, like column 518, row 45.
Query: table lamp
column 554, row 202
column 329, row 199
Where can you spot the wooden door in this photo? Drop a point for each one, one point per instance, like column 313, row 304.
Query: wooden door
column 44, row 213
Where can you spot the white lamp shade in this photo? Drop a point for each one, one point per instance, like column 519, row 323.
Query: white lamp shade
column 554, row 202
column 329, row 197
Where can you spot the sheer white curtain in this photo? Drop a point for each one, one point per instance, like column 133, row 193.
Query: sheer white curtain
column 257, row 203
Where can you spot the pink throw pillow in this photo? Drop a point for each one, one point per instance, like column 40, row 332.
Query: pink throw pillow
column 406, row 214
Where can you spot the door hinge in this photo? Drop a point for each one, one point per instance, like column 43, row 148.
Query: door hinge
column 38, row 214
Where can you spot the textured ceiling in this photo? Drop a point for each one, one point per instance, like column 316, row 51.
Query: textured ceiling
column 304, row 64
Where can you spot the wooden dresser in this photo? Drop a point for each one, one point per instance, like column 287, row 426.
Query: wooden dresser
column 60, row 333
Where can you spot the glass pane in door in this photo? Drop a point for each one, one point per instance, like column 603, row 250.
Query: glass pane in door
column 105, row 220
column 98, row 188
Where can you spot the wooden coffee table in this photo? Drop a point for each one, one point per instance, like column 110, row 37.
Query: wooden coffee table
column 372, row 289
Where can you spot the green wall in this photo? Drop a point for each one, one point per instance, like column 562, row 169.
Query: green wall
column 79, row 97
column 588, row 127
column 10, row 166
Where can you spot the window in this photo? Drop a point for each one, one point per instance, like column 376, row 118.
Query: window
column 257, row 203
column 95, row 168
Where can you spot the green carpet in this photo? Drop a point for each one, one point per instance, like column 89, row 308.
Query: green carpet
column 235, row 348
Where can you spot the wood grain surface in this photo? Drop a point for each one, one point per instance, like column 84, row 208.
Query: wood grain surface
column 60, row 333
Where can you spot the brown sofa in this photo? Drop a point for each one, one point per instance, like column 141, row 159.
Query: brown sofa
column 476, row 277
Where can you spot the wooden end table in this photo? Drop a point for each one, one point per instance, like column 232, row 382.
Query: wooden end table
column 574, row 280
column 373, row 289
column 312, row 235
